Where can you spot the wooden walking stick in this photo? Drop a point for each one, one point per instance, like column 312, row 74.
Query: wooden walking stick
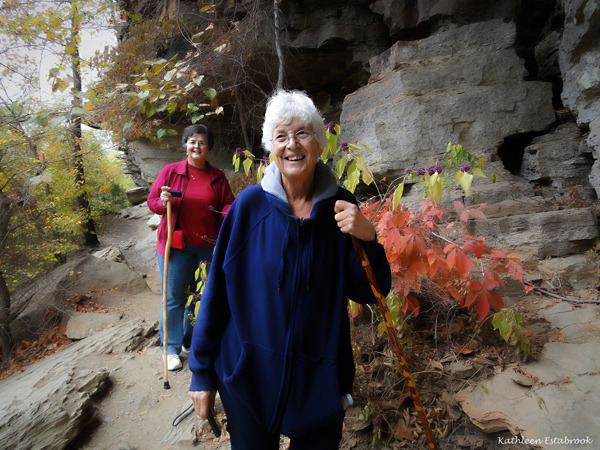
column 165, row 285
column 412, row 387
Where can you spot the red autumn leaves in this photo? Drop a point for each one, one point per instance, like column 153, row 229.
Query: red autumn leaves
column 429, row 256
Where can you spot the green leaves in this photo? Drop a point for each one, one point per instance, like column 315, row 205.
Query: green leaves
column 351, row 164
column 434, row 187
column 42, row 118
column 196, row 291
column 165, row 132
column 247, row 160
column 540, row 401
column 464, row 179
column 45, row 177
column 247, row 165
column 509, row 324
column 210, row 93
column 397, row 196
column 158, row 90
column 341, row 166
column 364, row 170
column 331, row 146
column 352, row 177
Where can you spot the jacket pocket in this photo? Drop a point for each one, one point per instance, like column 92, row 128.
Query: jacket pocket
column 256, row 382
column 314, row 398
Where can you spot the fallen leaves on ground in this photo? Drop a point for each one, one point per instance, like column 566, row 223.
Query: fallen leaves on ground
column 30, row 352
column 83, row 302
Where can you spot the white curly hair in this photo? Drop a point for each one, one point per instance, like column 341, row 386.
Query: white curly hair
column 286, row 106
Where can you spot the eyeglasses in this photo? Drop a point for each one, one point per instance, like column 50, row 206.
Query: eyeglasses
column 301, row 136
column 193, row 143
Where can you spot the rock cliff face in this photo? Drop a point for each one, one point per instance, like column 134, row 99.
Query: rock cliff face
column 515, row 81
column 465, row 85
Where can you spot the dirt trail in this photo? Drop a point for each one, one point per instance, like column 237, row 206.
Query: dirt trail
column 137, row 412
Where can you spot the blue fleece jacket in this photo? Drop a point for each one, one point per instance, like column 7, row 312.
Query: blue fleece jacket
column 273, row 324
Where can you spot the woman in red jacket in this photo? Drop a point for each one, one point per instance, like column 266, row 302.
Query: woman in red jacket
column 196, row 219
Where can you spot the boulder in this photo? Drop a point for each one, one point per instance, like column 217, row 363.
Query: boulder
column 32, row 307
column 541, row 234
column 48, row 404
column 578, row 271
column 561, row 158
column 465, row 85
column 137, row 195
column 82, row 325
column 579, row 59
column 113, row 254
column 150, row 156
column 154, row 221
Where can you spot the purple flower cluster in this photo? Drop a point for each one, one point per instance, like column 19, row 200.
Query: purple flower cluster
column 434, row 169
column 240, row 153
column 465, row 168
column 345, row 147
column 331, row 127
column 430, row 170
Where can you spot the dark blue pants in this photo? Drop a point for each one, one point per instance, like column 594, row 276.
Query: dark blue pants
column 247, row 434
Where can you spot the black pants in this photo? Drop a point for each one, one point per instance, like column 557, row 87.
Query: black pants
column 247, row 434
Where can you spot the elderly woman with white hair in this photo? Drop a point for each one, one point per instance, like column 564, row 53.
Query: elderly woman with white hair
column 273, row 333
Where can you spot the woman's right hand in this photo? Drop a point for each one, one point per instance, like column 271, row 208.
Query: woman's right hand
column 165, row 195
column 204, row 401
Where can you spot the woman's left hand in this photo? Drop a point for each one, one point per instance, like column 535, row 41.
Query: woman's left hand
column 351, row 221
column 204, row 402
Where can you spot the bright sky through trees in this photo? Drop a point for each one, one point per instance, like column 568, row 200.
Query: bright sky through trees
column 41, row 57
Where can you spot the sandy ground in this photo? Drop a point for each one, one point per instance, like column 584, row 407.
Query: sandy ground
column 137, row 412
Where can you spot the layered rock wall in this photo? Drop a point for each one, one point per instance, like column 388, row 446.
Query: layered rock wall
column 516, row 82
column 465, row 85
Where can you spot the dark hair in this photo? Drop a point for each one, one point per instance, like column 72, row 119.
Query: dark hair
column 198, row 129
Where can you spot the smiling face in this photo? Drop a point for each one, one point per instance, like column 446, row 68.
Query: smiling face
column 296, row 159
column 197, row 150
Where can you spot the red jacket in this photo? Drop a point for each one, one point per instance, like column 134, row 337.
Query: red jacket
column 175, row 175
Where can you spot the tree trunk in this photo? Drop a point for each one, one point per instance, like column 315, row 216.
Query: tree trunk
column 240, row 108
column 88, row 226
column 5, row 335
column 278, row 45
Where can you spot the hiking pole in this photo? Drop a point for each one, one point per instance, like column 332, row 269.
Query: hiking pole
column 214, row 426
column 165, row 284
column 412, row 387
column 216, row 429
